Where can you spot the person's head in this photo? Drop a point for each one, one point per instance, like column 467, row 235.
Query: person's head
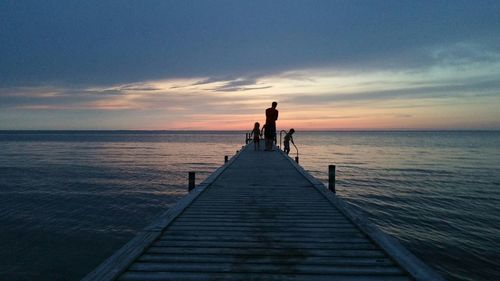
column 292, row 131
column 274, row 104
column 257, row 125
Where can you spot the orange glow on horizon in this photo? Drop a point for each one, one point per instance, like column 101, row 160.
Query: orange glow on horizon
column 313, row 99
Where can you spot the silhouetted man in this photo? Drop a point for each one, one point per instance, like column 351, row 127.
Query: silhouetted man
column 270, row 132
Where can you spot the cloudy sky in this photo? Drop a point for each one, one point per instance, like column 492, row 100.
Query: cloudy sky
column 218, row 64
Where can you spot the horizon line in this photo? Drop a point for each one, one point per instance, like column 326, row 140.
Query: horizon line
column 243, row 130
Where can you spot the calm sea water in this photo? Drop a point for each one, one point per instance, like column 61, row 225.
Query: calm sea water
column 69, row 199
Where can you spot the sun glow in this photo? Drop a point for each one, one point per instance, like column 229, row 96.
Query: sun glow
column 312, row 99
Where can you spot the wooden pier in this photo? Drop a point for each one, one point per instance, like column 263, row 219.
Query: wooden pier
column 262, row 217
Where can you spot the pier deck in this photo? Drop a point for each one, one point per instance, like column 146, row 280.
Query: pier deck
column 262, row 217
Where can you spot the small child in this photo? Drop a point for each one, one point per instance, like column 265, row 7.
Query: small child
column 256, row 135
column 288, row 138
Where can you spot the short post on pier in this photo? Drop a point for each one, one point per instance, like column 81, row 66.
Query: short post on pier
column 226, row 159
column 331, row 178
column 191, row 181
column 297, row 159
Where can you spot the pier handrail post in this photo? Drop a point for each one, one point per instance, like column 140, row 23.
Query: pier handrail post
column 226, row 158
column 297, row 150
column 331, row 178
column 192, row 177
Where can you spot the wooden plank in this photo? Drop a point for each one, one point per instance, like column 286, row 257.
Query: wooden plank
column 265, row 213
column 296, row 229
column 226, row 195
column 257, row 217
column 239, row 198
column 244, row 267
column 246, row 192
column 228, row 219
column 197, row 276
column 246, row 222
column 282, row 206
column 353, row 261
column 279, row 216
column 266, row 252
column 277, row 207
column 266, row 245
column 221, row 194
column 270, row 234
column 256, row 223
column 233, row 238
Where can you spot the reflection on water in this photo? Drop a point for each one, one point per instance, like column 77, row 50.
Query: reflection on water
column 70, row 199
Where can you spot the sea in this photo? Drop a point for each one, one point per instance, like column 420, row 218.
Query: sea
column 70, row 199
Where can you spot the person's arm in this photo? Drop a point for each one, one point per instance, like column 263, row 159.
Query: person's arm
column 277, row 112
column 291, row 139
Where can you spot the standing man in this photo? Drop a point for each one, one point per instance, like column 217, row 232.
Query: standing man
column 270, row 133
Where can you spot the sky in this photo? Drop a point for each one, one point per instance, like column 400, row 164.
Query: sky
column 217, row 65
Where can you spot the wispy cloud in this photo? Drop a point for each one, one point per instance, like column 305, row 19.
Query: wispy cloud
column 324, row 97
column 241, row 84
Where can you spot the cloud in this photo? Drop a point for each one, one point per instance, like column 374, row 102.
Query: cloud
column 173, row 95
column 308, row 87
column 211, row 80
column 464, row 53
column 105, row 43
column 458, row 79
column 141, row 88
column 489, row 88
column 241, row 84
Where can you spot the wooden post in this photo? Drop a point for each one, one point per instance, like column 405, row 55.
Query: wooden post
column 331, row 178
column 191, row 181
column 297, row 159
column 246, row 138
column 226, row 159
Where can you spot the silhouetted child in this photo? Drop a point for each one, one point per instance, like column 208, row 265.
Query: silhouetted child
column 256, row 135
column 288, row 139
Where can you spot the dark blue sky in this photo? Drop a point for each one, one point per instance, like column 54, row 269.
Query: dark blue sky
column 106, row 42
column 70, row 64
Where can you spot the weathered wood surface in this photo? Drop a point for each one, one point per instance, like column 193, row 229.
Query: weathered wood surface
column 262, row 217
